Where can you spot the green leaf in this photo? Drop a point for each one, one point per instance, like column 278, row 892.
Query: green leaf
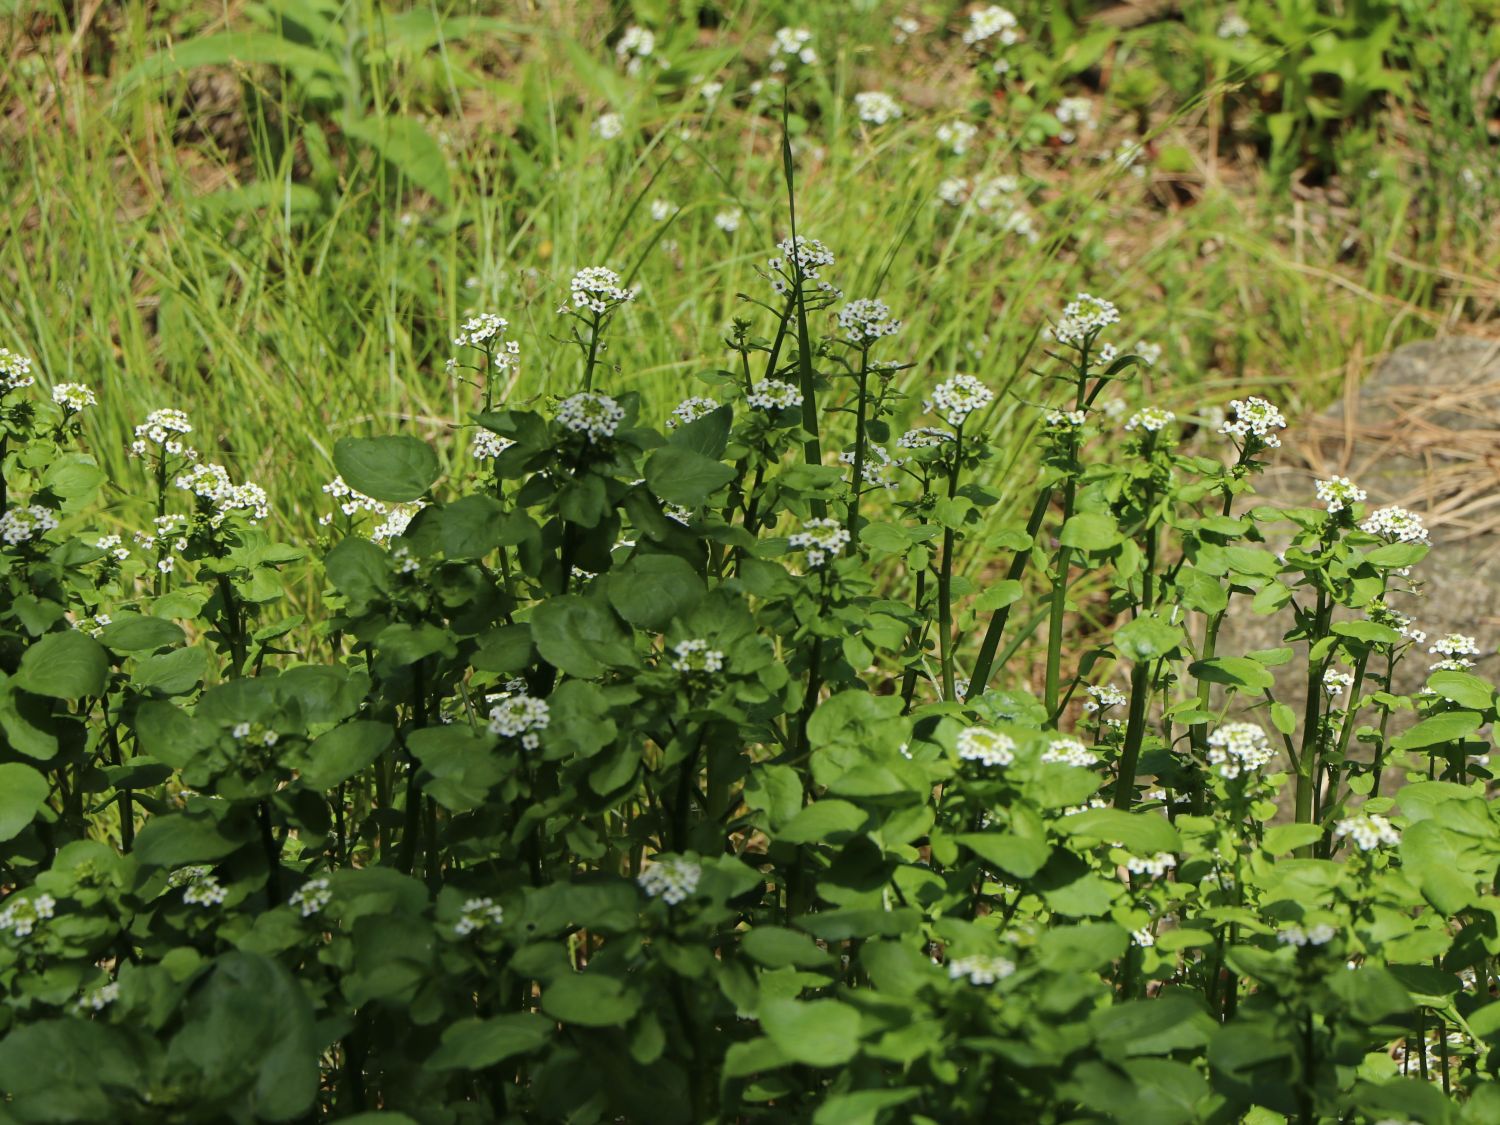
column 176, row 839
column 589, row 1000
column 26, row 721
column 580, row 636
column 813, row 1032
column 1142, row 833
column 1090, row 531
column 1148, row 637
column 823, row 822
column 1234, row 671
column 472, row 527
column 682, row 476
column 1396, row 555
column 396, row 467
column 998, row 595
column 339, row 754
column 131, row 632
column 23, row 793
column 1439, row 730
column 650, row 590
column 475, row 1044
column 240, row 47
column 66, row 665
column 1284, row 838
column 1463, row 688
column 406, row 146
column 1015, row 855
column 708, row 435
column 776, row 948
column 170, row 673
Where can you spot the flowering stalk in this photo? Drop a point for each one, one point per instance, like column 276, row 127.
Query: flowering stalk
column 1064, row 558
column 945, row 575
column 859, row 446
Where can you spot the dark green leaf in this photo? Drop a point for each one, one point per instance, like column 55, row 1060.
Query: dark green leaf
column 66, row 665
column 396, row 467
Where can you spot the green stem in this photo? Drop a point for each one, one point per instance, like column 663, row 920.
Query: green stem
column 1310, row 759
column 859, row 450
column 945, row 578
column 979, row 680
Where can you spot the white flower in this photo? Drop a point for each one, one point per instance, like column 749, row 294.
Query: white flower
column 1453, row 648
column 903, row 28
column 729, row 219
column 792, row 44
column 1335, row 682
column 311, row 897
column 695, row 656
column 991, row 22
column 990, row 748
column 599, row 290
column 1150, row 353
column 1104, row 696
column 710, row 91
column 773, row 394
column 804, row 256
column 73, row 397
column 15, row 371
column 1083, row 318
column 1237, row 748
column 635, row 47
column 959, row 397
column 980, row 968
column 1339, row 493
column 822, row 539
column 351, row 501
column 1155, row 865
column 20, row 916
column 1396, row 524
column 867, row 319
column 201, row 886
column 159, row 429
column 1368, row 831
column 690, row 410
column 954, row 190
column 588, row 412
column 670, row 878
column 878, row 465
column 210, row 483
column 662, row 209
column 25, row 523
column 478, row 331
column 96, row 1000
column 956, row 136
column 1152, row 419
column 876, row 107
column 1143, row 937
column 518, row 715
column 1293, row 934
column 608, row 126
column 1069, row 752
column 1255, row 421
column 397, row 520
column 1074, row 114
column 477, row 913
column 487, row 445
column 110, row 544
column 1065, row 421
column 1232, row 25
column 923, row 437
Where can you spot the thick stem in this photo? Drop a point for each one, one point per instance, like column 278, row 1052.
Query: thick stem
column 979, row 680
column 859, row 449
column 945, row 578
column 588, row 368
column 1310, row 760
column 1135, row 731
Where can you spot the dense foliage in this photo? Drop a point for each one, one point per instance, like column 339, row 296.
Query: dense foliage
column 680, row 773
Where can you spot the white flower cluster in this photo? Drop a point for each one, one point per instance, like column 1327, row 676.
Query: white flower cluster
column 991, row 22
column 477, row 913
column 867, row 319
column 97, row 999
column 110, row 545
column 311, row 897
column 670, row 878
column 1232, row 25
column 1237, row 748
column 518, row 715
column 1455, row 649
column 792, row 44
column 210, row 482
column 26, row 522
column 1293, row 934
column 1143, row 937
column 1069, row 752
column 253, row 732
column 635, row 47
column 1150, row 353
column 876, row 107
column 608, row 126
column 1335, row 682
column 1403, row 623
column 1397, row 525
column 20, row 916
column 93, row 625
column 590, row 413
column 1065, row 421
column 1074, row 114
column 487, row 331
column 903, row 28
column 923, row 437
column 663, row 209
column 1154, row 865
column 486, row 445
column 1255, row 418
column 351, row 500
column 803, row 256
column 201, row 885
column 1083, row 318
column 956, row 136
column 1339, row 493
column 987, row 747
column 980, row 968
column 15, row 371
column 690, row 410
column 165, row 534
column 1152, row 419
column 160, row 429
column 73, row 397
column 1104, row 696
column 774, row 394
column 822, row 539
column 1367, row 830
column 397, row 520
column 958, row 398
column 878, row 466
column 729, row 219
column 695, row 656
column 599, row 290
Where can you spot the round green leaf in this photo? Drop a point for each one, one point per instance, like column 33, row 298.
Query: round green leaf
column 67, row 665
column 23, row 792
column 396, row 467
column 814, row 1032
